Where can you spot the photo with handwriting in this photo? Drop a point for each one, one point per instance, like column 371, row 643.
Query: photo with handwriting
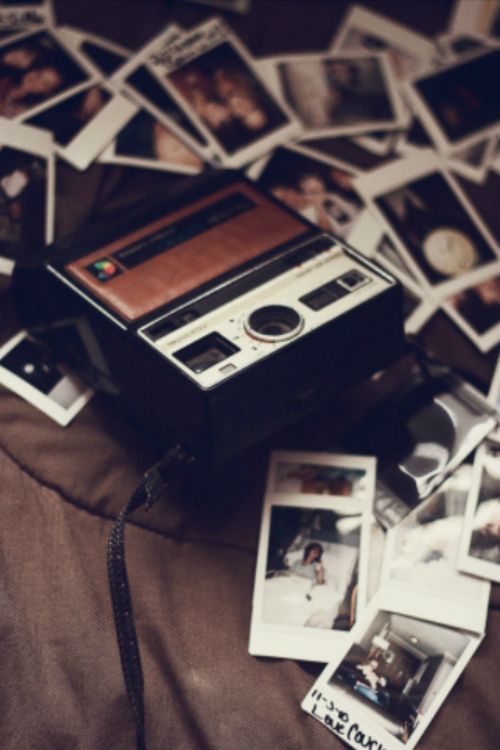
column 34, row 69
column 312, row 568
column 319, row 191
column 228, row 97
column 397, row 669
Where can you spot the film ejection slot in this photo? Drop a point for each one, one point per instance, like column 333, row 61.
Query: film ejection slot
column 274, row 323
column 206, row 352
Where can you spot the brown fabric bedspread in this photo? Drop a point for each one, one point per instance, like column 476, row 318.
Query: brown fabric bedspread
column 191, row 568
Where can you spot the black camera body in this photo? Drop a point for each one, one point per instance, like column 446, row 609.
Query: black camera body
column 216, row 317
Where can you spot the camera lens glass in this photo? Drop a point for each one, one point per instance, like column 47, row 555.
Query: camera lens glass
column 274, row 323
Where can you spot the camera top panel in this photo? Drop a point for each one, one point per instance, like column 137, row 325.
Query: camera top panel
column 184, row 251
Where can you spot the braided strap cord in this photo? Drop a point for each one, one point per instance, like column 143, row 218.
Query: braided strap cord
column 155, row 481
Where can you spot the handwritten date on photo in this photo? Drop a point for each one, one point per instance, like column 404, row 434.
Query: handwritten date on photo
column 338, row 722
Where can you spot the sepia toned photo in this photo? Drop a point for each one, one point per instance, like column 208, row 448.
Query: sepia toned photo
column 36, row 70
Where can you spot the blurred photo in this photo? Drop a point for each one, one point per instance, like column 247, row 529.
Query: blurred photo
column 34, row 69
column 338, row 93
column 23, row 201
column 227, row 97
column 319, row 191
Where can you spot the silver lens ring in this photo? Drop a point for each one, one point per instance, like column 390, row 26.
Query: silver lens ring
column 274, row 323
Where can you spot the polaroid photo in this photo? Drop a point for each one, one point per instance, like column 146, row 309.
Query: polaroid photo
column 455, row 103
column 37, row 70
column 312, row 563
column 146, row 86
column 103, row 54
column 421, row 433
column 459, row 45
column 27, row 189
column 84, row 123
column 479, row 16
column 385, row 687
column 380, row 142
column 18, row 15
column 378, row 538
column 476, row 311
column 213, row 78
column 420, row 576
column 318, row 188
column 472, row 162
column 433, row 225
column 27, row 369
column 146, row 142
column 340, row 93
column 363, row 30
column 479, row 552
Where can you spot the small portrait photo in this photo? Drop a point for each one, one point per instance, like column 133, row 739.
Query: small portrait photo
column 151, row 93
column 311, row 576
column 319, row 479
column 433, row 224
column 340, row 93
column 476, row 311
column 67, row 118
column 145, row 141
column 28, row 369
column 36, row 68
column 456, row 102
column 23, row 201
column 396, row 675
column 420, row 575
column 319, row 190
column 228, row 98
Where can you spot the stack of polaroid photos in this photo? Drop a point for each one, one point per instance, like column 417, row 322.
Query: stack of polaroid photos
column 396, row 605
column 410, row 120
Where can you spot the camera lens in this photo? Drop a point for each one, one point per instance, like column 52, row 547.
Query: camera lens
column 274, row 323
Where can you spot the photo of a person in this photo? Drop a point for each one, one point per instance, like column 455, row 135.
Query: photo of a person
column 337, row 91
column 485, row 529
column 146, row 139
column 321, row 192
column 33, row 70
column 66, row 119
column 228, row 97
column 312, row 568
column 23, row 195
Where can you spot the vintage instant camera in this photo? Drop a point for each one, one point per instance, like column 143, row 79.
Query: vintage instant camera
column 217, row 316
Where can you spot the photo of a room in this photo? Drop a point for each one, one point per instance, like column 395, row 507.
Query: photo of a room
column 397, row 670
column 312, row 568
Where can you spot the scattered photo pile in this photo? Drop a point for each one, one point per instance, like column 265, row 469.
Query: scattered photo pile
column 395, row 606
column 418, row 110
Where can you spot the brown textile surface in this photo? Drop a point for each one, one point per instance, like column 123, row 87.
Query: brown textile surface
column 191, row 568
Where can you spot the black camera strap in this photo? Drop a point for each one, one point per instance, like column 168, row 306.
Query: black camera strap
column 154, row 482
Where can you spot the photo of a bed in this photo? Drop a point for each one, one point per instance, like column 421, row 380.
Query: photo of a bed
column 312, row 568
